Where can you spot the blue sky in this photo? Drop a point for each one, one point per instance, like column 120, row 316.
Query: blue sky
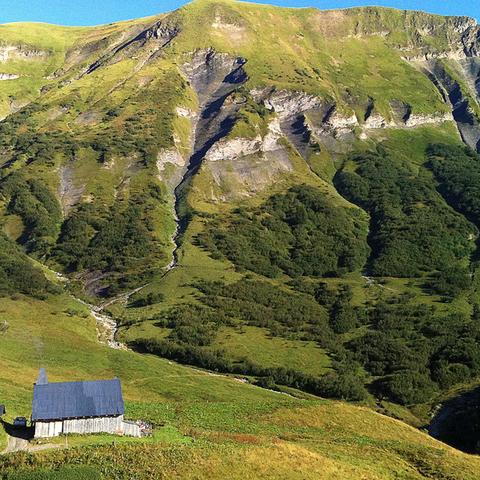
column 95, row 12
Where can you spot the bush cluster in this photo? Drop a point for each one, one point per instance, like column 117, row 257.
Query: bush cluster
column 299, row 233
column 38, row 207
column 412, row 229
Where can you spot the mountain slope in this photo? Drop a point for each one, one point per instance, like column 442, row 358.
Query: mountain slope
column 265, row 440
column 226, row 179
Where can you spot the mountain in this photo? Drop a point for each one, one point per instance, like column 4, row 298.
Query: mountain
column 288, row 196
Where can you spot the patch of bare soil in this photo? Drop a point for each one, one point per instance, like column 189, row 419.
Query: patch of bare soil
column 18, row 438
column 69, row 192
column 88, row 118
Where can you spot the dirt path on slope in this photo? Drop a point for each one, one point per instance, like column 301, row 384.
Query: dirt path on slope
column 16, row 444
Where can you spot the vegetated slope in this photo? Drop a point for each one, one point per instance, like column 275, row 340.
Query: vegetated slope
column 58, row 332
column 431, row 237
column 317, row 440
column 287, row 150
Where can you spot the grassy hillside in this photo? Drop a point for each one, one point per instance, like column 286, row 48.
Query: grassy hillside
column 267, row 440
column 60, row 334
column 206, row 425
column 283, row 201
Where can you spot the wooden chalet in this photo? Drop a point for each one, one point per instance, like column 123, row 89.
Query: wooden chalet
column 79, row 407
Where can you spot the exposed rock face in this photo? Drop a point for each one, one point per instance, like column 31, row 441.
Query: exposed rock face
column 287, row 103
column 250, row 174
column 305, row 119
column 145, row 46
column 463, row 33
column 375, row 121
column 291, row 108
column 336, row 120
column 452, row 55
column 212, row 74
column 23, row 52
column 186, row 113
column 245, row 166
column 163, row 32
column 170, row 156
column 462, row 112
column 270, row 141
column 416, row 120
column 239, row 147
column 401, row 111
column 8, row 76
column 172, row 166
column 69, row 191
column 232, row 149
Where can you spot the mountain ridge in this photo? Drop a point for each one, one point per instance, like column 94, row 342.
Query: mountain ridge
column 288, row 196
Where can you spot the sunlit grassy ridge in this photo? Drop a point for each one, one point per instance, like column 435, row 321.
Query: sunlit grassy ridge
column 323, row 53
column 317, row 440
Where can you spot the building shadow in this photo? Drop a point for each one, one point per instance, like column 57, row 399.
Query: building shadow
column 25, row 433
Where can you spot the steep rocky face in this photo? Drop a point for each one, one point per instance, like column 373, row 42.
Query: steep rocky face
column 8, row 76
column 470, row 67
column 463, row 37
column 239, row 147
column 144, row 46
column 213, row 76
column 306, row 120
column 455, row 94
column 245, row 166
column 23, row 52
column 290, row 108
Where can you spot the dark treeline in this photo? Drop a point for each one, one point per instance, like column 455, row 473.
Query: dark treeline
column 409, row 351
column 334, row 385
column 458, row 171
column 249, row 302
column 116, row 239
column 38, row 207
column 413, row 230
column 17, row 273
column 299, row 233
column 193, row 329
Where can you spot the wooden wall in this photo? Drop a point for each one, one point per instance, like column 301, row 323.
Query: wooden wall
column 48, row 429
column 87, row 425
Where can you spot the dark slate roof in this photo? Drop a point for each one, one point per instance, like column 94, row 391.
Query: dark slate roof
column 95, row 398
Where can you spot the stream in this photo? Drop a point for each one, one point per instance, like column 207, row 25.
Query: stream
column 106, row 325
column 214, row 77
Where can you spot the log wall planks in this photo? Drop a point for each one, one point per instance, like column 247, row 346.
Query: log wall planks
column 87, row 425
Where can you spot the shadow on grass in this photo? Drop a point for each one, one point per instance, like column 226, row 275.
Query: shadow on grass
column 24, row 433
column 457, row 422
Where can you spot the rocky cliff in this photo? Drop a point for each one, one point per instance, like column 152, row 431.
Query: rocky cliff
column 221, row 100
